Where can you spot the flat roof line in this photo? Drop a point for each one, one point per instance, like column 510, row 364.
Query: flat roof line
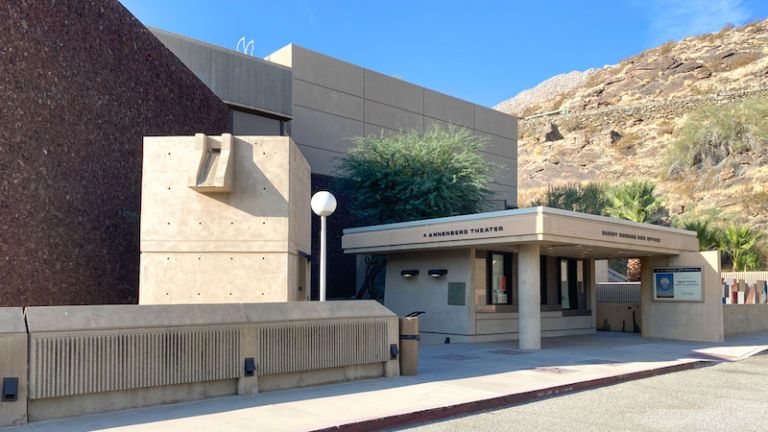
column 502, row 213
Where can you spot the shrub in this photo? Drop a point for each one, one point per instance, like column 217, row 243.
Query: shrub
column 713, row 133
column 633, row 201
column 586, row 198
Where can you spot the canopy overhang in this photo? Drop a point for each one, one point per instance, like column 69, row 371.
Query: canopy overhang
column 557, row 232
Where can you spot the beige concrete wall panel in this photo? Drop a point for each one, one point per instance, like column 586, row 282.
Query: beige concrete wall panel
column 283, row 56
column 324, row 99
column 448, row 108
column 67, row 365
column 171, row 211
column 43, row 319
column 327, row 71
column 174, row 277
column 317, row 377
column 283, row 312
column 72, row 406
column 425, row 293
column 316, row 345
column 697, row 321
column 566, row 323
column 325, row 131
column 300, row 197
column 591, row 231
column 745, row 318
column 12, row 320
column 498, row 325
column 13, row 364
column 394, row 92
column 392, row 118
column 495, row 122
column 521, row 225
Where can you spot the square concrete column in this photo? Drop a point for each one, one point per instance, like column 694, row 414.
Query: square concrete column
column 529, row 296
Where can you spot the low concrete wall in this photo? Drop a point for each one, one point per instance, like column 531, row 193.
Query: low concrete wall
column 618, row 317
column 87, row 359
column 745, row 318
column 13, row 364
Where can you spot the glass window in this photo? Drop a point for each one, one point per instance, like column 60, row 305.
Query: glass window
column 499, row 278
column 564, row 285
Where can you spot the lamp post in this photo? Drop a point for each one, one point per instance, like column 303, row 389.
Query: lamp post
column 323, row 204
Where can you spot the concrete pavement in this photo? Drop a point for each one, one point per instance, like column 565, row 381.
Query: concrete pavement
column 453, row 379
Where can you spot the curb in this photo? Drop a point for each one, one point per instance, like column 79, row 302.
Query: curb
column 433, row 414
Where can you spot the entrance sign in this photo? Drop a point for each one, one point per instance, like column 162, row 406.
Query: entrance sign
column 677, row 284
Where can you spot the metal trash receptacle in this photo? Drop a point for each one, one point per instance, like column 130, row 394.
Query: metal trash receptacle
column 409, row 343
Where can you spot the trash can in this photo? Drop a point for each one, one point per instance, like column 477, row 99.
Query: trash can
column 409, row 343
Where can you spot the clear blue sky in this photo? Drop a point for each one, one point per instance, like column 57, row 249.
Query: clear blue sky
column 481, row 51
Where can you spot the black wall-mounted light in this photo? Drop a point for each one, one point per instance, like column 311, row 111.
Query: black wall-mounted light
column 10, row 391
column 408, row 274
column 437, row 273
column 250, row 366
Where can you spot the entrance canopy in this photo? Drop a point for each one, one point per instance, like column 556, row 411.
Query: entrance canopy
column 557, row 232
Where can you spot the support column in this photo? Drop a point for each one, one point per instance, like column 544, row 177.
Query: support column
column 529, row 296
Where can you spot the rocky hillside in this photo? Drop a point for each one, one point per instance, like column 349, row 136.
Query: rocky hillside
column 618, row 123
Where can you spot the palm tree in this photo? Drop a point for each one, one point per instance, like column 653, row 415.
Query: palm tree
column 708, row 235
column 739, row 243
column 633, row 201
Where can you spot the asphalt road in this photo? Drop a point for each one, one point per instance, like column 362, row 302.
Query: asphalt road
column 723, row 397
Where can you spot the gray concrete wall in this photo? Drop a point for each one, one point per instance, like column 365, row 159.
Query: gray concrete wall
column 240, row 80
column 87, row 359
column 334, row 100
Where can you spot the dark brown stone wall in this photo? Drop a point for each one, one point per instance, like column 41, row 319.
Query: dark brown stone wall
column 81, row 82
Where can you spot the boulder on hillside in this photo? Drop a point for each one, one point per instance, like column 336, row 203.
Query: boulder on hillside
column 553, row 134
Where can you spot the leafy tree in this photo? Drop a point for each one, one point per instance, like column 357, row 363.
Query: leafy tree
column 414, row 175
column 585, row 198
column 633, row 201
column 740, row 243
column 706, row 231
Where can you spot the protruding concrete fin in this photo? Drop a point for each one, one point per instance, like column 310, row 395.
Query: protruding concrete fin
column 214, row 173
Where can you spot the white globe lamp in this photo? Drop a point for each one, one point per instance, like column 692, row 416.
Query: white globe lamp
column 323, row 204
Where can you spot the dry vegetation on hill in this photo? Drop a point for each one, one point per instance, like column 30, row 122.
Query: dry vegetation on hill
column 691, row 116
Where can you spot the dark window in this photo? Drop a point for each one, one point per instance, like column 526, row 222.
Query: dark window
column 499, row 278
column 543, row 278
column 570, row 288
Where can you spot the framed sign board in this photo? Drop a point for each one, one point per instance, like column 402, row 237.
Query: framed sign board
column 677, row 284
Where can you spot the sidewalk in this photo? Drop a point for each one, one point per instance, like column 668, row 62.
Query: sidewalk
column 453, row 379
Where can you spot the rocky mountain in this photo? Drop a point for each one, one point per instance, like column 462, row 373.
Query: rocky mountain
column 618, row 123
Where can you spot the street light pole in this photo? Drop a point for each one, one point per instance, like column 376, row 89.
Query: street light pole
column 323, row 204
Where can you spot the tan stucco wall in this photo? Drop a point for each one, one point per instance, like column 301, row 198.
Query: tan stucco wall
column 697, row 321
column 427, row 294
column 240, row 246
column 745, row 318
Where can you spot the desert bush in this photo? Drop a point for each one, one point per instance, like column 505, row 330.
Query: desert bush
column 585, row 198
column 713, row 133
column 666, row 48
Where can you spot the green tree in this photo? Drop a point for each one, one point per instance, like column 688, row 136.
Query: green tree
column 706, row 231
column 633, row 201
column 414, row 175
column 585, row 198
column 740, row 243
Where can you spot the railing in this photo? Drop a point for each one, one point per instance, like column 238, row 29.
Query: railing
column 618, row 292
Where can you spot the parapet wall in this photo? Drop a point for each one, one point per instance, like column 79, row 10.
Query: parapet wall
column 88, row 359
